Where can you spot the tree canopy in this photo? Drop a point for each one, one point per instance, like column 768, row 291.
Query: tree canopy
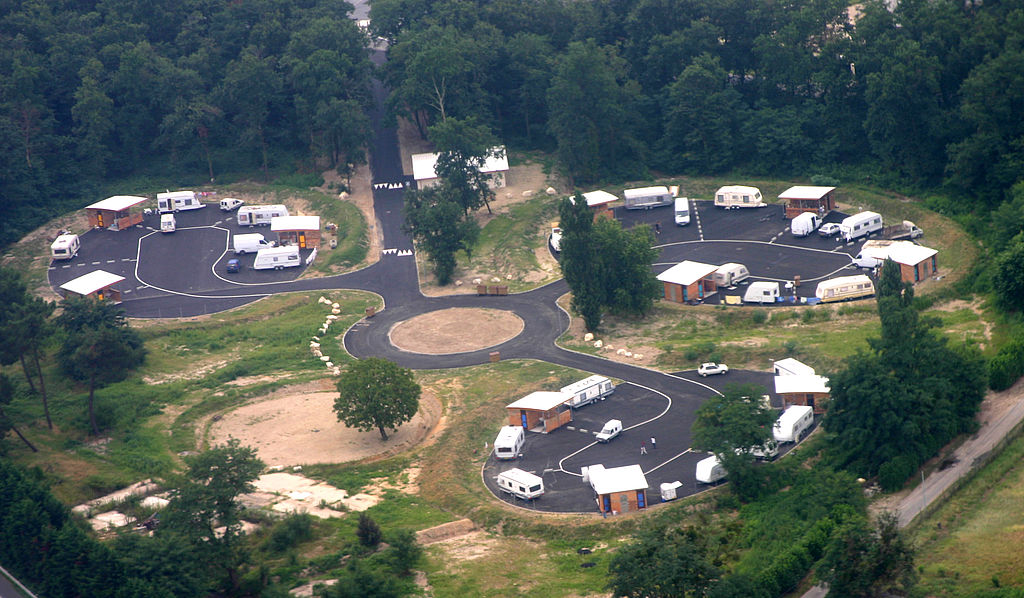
column 376, row 393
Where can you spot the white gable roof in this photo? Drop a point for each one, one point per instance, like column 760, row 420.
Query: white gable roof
column 541, row 400
column 792, row 367
column 91, row 282
column 910, row 254
column 687, row 273
column 117, row 203
column 280, row 223
column 805, row 192
column 617, row 479
column 423, row 164
column 801, row 383
column 597, row 198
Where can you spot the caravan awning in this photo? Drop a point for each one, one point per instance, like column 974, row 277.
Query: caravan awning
column 117, row 203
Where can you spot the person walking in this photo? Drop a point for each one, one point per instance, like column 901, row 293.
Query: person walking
column 643, row 447
column 654, row 443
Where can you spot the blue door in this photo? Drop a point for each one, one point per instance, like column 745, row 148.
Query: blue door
column 640, row 499
column 700, row 289
column 607, row 500
column 522, row 416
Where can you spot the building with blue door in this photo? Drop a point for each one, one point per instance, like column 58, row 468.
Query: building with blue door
column 541, row 411
column 689, row 281
column 618, row 489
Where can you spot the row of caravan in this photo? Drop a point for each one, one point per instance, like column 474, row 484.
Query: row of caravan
column 842, row 288
column 177, row 201
column 791, row 426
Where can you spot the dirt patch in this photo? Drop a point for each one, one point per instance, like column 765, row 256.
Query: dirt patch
column 445, row 531
column 455, row 330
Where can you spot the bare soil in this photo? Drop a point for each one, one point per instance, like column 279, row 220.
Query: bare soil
column 455, row 330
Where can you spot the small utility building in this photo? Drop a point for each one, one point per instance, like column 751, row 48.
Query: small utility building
column 115, row 213
column 599, row 203
column 496, row 165
column 916, row 261
column 689, row 281
column 817, row 200
column 797, row 383
column 541, row 411
column 619, row 489
column 303, row 231
column 98, row 284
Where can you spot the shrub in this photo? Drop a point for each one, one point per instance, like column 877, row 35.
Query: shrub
column 759, row 317
column 405, row 551
column 368, row 531
column 291, row 531
column 1007, row 366
column 893, row 473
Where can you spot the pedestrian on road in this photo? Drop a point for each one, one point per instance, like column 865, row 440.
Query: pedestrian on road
column 654, row 443
column 643, row 447
column 657, row 228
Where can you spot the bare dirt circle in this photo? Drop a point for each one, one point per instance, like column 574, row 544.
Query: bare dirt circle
column 455, row 330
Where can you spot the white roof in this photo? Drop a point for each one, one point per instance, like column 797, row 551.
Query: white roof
column 741, row 189
column 541, row 400
column 523, row 477
column 645, row 191
column 617, row 479
column 423, row 164
column 792, row 365
column 801, row 383
column 63, row 240
column 117, row 203
column 280, row 223
column 687, row 273
column 910, row 254
column 598, row 198
column 805, row 192
column 579, row 385
column 91, row 282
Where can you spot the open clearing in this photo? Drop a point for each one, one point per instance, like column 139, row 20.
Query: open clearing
column 455, row 330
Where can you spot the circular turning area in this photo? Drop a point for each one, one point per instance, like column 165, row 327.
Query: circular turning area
column 455, row 330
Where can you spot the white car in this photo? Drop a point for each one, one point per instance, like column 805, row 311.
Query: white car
column 556, row 239
column 228, row 204
column 829, row 229
column 711, row 368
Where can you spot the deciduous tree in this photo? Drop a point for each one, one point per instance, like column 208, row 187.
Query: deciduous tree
column 376, row 393
column 437, row 222
column 865, row 561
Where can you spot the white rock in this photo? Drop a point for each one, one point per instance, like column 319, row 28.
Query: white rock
column 330, row 365
column 638, row 355
column 495, row 279
column 337, row 371
column 276, row 468
column 628, row 353
column 477, row 281
column 528, row 193
column 335, row 305
column 609, row 347
column 297, row 468
column 598, row 343
column 316, row 338
column 331, row 318
column 508, row 277
column 550, row 191
column 325, row 359
column 458, row 283
column 314, row 344
column 317, row 353
column 323, row 299
column 620, row 352
column 335, row 311
column 343, row 195
column 588, row 336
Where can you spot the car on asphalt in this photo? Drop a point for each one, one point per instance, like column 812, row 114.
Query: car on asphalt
column 234, row 266
column 829, row 229
column 710, row 369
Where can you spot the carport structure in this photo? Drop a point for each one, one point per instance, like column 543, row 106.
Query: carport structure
column 115, row 213
column 599, row 203
column 98, row 284
column 688, row 281
column 303, row 231
column 619, row 489
column 803, row 198
column 540, row 411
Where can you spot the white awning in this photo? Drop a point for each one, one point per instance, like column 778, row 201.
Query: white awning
column 287, row 223
column 687, row 273
column 805, row 192
column 541, row 400
column 91, row 282
column 599, row 198
column 117, row 203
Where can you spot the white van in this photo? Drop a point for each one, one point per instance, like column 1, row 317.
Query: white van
column 729, row 274
column 250, row 243
column 277, row 258
column 644, row 198
column 168, row 224
column 509, row 442
column 761, row 292
column 844, row 288
column 739, row 196
column 793, row 423
column 65, row 246
column 611, row 429
column 588, row 390
column 710, row 470
column 873, row 253
column 859, row 225
column 682, row 211
column 229, row 203
column 804, row 224
column 522, row 484
column 173, row 201
column 259, row 215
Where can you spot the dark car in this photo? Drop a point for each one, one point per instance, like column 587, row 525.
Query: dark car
column 234, row 266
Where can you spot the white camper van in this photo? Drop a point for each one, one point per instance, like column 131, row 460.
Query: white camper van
column 168, row 224
column 611, row 429
column 229, row 203
column 277, row 258
column 682, row 211
column 710, row 470
column 729, row 274
column 767, row 451
column 644, row 198
column 804, row 224
column 873, row 253
column 65, row 246
column 173, row 201
column 522, row 484
column 509, row 442
column 588, row 390
column 250, row 243
column 761, row 292
column 259, row 215
column 739, row 196
column 859, row 225
column 792, row 424
column 844, row 288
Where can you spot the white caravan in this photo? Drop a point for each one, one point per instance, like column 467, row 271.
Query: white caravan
column 174, row 201
column 761, row 292
column 65, row 246
column 804, row 224
column 522, row 484
column 277, row 258
column 844, row 288
column 859, row 225
column 250, row 243
column 729, row 274
column 644, row 198
column 739, row 196
column 168, row 224
column 229, row 203
column 793, row 423
column 682, row 211
column 509, row 442
column 710, row 470
column 259, row 215
column 588, row 390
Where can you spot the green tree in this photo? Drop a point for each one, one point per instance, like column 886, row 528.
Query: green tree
column 464, row 146
column 437, row 223
column 662, row 563
column 405, row 553
column 376, row 393
column 24, row 328
column 865, row 561
column 1008, row 276
column 6, row 423
column 368, row 531
column 578, row 259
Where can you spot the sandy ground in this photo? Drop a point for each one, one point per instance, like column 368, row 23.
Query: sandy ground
column 455, row 330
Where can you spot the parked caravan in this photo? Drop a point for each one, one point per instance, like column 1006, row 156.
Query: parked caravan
column 168, row 224
column 682, row 211
column 644, row 198
column 588, row 390
column 250, row 243
column 556, row 238
column 522, row 484
column 65, row 246
column 710, row 470
column 509, row 442
column 277, row 258
column 844, row 288
column 793, row 423
column 729, row 274
column 739, row 196
column 859, row 225
column 229, row 203
column 762, row 292
column 873, row 254
column 611, row 429
column 259, row 215
column 804, row 224
column 174, row 201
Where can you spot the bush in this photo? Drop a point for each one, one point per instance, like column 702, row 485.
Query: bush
column 1007, row 366
column 299, row 180
column 368, row 532
column 291, row 531
column 892, row 474
column 405, row 552
column 759, row 317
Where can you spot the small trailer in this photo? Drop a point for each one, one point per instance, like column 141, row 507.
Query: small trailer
column 739, row 196
column 905, row 231
column 174, row 201
column 260, row 215
column 669, row 490
column 509, row 442
column 860, row 225
column 844, row 288
column 793, row 423
column 762, row 292
column 521, row 484
column 277, row 258
column 710, row 470
column 645, row 198
column 729, row 274
column 588, row 390
column 804, row 224
column 65, row 246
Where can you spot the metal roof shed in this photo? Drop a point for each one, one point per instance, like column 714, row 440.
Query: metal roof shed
column 803, row 390
column 496, row 165
column 806, row 198
column 543, row 411
column 688, row 281
column 619, row 489
column 916, row 261
column 97, row 284
column 115, row 212
column 303, row 231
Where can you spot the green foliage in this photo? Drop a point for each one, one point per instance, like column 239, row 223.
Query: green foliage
column 1007, row 365
column 368, row 531
column 867, row 561
column 376, row 393
column 405, row 553
column 1008, row 277
column 662, row 563
column 436, row 220
column 290, row 531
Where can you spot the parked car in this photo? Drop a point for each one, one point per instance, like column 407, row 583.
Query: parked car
column 829, row 229
column 234, row 266
column 711, row 368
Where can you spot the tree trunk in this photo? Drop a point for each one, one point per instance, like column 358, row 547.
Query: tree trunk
column 24, row 368
column 20, row 435
column 92, row 414
column 42, row 388
column 383, row 433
